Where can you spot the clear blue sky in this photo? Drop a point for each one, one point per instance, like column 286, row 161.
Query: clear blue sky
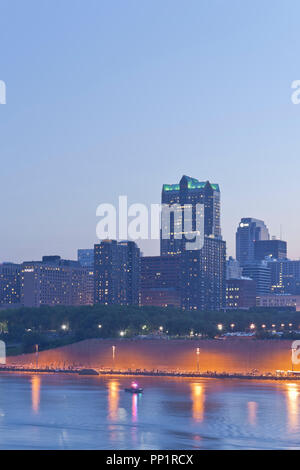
column 114, row 97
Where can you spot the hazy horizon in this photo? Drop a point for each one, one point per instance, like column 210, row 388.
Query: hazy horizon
column 117, row 98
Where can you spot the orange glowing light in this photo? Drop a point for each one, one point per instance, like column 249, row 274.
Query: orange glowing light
column 35, row 392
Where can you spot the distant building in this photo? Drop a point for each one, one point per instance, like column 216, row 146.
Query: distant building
column 189, row 191
column 279, row 301
column 240, row 293
column 285, row 276
column 10, row 284
column 160, row 281
column 86, row 257
column 116, row 273
column 260, row 272
column 249, row 231
column 233, row 269
column 276, row 249
column 54, row 281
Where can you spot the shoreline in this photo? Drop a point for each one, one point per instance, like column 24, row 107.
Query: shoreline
column 94, row 372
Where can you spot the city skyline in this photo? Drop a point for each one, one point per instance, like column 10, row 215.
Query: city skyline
column 162, row 90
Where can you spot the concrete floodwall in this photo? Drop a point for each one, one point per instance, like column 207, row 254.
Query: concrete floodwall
column 230, row 355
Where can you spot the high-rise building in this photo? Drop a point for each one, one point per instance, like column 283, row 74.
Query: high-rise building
column 54, row 281
column 86, row 257
column 117, row 273
column 189, row 193
column 276, row 249
column 10, row 285
column 260, row 272
column 160, row 281
column 249, row 231
column 203, row 276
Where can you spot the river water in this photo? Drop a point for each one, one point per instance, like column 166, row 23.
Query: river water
column 73, row 412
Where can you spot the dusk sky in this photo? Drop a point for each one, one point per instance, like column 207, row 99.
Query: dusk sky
column 109, row 98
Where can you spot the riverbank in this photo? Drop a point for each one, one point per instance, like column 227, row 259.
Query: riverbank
column 285, row 375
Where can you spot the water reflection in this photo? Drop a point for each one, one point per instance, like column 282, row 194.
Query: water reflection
column 35, row 392
column 134, row 407
column 292, row 405
column 198, row 399
column 252, row 412
column 113, row 400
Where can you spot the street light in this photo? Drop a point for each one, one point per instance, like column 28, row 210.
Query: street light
column 64, row 327
column 220, row 327
column 161, row 328
column 122, row 333
column 113, row 355
column 232, row 325
column 99, row 326
column 252, row 326
column 198, row 353
column 293, row 350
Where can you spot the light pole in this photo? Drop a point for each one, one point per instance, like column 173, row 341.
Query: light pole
column 36, row 356
column 293, row 349
column 198, row 353
column 113, row 355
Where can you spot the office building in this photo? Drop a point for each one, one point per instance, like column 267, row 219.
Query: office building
column 260, row 272
column 285, row 276
column 10, row 285
column 160, row 281
column 233, row 269
column 54, row 281
column 203, row 276
column 176, row 228
column 279, row 301
column 276, row 249
column 249, row 231
column 240, row 293
column 116, row 273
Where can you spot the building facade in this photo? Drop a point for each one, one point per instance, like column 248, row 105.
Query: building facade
column 203, row 276
column 279, row 301
column 54, row 281
column 116, row 273
column 176, row 229
column 160, row 281
column 249, row 231
column 260, row 272
column 240, row 293
column 85, row 257
column 10, row 284
column 276, row 249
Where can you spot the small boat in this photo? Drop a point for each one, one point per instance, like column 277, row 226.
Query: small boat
column 134, row 388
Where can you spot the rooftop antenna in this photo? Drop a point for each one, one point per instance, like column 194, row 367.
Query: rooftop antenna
column 280, row 231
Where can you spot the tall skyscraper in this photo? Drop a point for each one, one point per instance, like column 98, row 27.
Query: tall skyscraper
column 285, row 276
column 116, row 273
column 202, row 270
column 189, row 192
column 249, row 231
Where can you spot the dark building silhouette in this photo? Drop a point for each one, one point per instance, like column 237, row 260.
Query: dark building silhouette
column 240, row 293
column 188, row 192
column 249, row 231
column 116, row 273
column 276, row 249
column 10, row 284
column 160, row 281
